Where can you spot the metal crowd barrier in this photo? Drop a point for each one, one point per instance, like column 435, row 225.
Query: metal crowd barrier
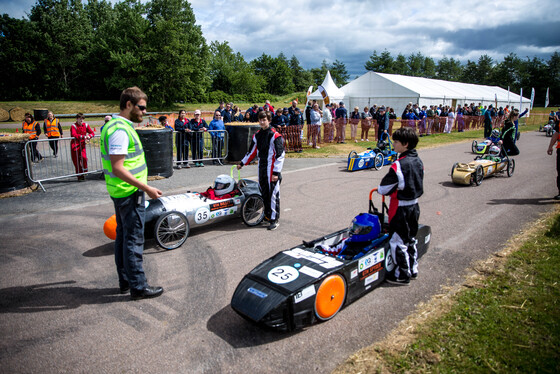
column 210, row 147
column 43, row 166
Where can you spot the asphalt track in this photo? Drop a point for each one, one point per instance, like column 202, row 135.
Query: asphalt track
column 61, row 311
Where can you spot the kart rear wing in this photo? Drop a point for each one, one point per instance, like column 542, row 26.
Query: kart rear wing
column 383, row 218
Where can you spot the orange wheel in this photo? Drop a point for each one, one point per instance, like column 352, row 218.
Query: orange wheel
column 330, row 297
column 110, row 227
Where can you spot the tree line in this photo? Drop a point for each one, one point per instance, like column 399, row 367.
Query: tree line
column 70, row 50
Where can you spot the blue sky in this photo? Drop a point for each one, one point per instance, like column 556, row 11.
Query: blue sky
column 350, row 30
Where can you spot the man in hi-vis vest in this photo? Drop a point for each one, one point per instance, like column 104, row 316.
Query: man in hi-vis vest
column 126, row 175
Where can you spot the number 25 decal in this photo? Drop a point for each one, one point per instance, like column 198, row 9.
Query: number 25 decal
column 283, row 274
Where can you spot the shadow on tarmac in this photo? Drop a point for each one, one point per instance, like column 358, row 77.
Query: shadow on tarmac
column 55, row 296
column 239, row 333
column 525, row 201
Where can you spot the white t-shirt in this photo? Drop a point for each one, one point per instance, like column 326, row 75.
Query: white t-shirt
column 118, row 142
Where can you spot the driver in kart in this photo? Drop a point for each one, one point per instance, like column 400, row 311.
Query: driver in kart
column 364, row 229
column 224, row 188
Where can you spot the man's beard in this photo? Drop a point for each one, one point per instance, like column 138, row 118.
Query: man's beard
column 135, row 117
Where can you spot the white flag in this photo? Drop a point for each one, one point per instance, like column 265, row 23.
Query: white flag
column 532, row 96
column 520, row 99
column 546, row 99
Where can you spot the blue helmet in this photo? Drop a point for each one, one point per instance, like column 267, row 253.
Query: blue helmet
column 365, row 227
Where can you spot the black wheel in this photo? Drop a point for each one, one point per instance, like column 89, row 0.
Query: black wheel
column 477, row 176
column 453, row 168
column 171, row 230
column 540, row 128
column 473, row 146
column 519, row 135
column 353, row 154
column 510, row 167
column 549, row 132
column 378, row 161
column 252, row 210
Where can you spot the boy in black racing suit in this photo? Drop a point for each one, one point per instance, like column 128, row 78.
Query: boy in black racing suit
column 268, row 146
column 404, row 183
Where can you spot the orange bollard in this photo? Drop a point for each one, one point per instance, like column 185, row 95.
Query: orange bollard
column 17, row 130
column 110, row 227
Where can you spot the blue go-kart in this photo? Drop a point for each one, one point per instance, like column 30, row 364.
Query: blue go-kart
column 383, row 154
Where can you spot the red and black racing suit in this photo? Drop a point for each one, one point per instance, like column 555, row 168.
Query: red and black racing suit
column 404, row 183
column 268, row 146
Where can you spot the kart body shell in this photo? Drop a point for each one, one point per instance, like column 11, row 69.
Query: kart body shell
column 383, row 154
column 169, row 218
column 474, row 172
column 304, row 285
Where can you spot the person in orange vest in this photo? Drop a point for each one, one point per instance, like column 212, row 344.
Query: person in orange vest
column 53, row 130
column 32, row 127
column 81, row 133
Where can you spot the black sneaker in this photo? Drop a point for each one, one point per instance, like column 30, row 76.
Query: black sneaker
column 390, row 278
column 273, row 225
column 414, row 276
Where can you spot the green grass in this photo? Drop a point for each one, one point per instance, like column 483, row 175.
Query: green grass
column 509, row 322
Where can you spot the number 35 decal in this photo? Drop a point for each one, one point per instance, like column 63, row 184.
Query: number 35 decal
column 283, row 274
column 202, row 215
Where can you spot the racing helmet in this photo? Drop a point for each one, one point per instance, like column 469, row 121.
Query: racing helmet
column 382, row 144
column 496, row 133
column 364, row 227
column 494, row 150
column 223, row 184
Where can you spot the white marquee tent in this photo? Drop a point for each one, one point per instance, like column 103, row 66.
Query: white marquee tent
column 397, row 91
column 335, row 94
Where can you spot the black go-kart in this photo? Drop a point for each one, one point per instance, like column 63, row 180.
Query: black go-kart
column 304, row 285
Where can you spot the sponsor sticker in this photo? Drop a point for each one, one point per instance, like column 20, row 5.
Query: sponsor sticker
column 371, row 279
column 427, row 239
column 221, row 205
column 256, row 292
column 311, row 272
column 370, row 260
column 304, row 294
column 361, row 163
column 283, row 274
column 354, row 274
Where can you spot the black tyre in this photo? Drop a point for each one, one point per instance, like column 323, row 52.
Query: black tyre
column 519, row 135
column 378, row 161
column 252, row 210
column 549, row 132
column 171, row 230
column 453, row 169
column 510, row 167
column 353, row 154
column 473, row 146
column 477, row 176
